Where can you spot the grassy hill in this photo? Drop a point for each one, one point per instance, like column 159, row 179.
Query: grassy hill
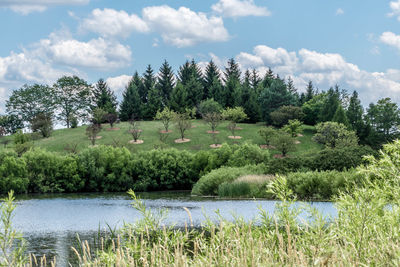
column 200, row 139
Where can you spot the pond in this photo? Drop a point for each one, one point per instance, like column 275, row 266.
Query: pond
column 50, row 223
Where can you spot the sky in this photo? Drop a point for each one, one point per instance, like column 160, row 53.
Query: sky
column 355, row 44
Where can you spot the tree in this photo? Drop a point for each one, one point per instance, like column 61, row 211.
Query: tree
column 179, row 98
column 212, row 75
column 30, row 100
column 165, row 116
column 294, row 127
column 267, row 134
column 248, row 99
column 284, row 143
column 282, row 115
column 104, row 98
column 384, row 117
column 194, row 90
column 254, row 80
column 312, row 109
column 310, row 92
column 332, row 101
column 131, row 101
column 43, row 124
column 92, row 132
column 333, row 135
column 134, row 129
column 234, row 115
column 232, row 83
column 340, row 116
column 183, row 123
column 11, row 123
column 111, row 118
column 148, row 84
column 73, row 98
column 355, row 113
column 98, row 116
column 209, row 106
column 165, row 82
column 216, row 91
column 273, row 97
column 154, row 103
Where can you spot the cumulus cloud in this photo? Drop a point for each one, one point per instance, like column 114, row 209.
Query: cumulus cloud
column 239, row 8
column 110, row 23
column 391, row 39
column 28, row 6
column 184, row 27
column 118, row 83
column 324, row 69
column 395, row 7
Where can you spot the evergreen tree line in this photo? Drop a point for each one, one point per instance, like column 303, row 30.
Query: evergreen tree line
column 270, row 99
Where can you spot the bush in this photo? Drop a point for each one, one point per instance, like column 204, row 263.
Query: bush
column 43, row 124
column 163, row 169
column 290, row 164
column 334, row 135
column 209, row 183
column 282, row 115
column 247, row 154
column 50, row 172
column 13, row 173
column 105, row 169
column 247, row 186
column 322, row 185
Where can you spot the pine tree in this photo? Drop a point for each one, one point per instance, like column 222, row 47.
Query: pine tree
column 232, row 83
column 104, row 98
column 154, row 103
column 148, row 85
column 268, row 79
column 185, row 73
column 217, row 92
column 131, row 104
column 309, row 91
column 195, row 91
column 211, row 73
column 254, row 80
column 355, row 113
column 248, row 99
column 330, row 106
column 340, row 116
column 165, row 82
column 179, row 98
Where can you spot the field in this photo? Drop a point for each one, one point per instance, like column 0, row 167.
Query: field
column 63, row 138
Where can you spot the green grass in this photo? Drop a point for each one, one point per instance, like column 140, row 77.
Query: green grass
column 200, row 139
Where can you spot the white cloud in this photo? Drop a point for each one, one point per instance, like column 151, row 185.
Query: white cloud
column 100, row 53
column 395, row 7
column 184, row 27
column 239, row 8
column 110, row 22
column 28, row 6
column 324, row 69
column 118, row 83
column 391, row 39
column 339, row 12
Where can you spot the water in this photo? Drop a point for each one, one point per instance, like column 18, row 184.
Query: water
column 50, row 222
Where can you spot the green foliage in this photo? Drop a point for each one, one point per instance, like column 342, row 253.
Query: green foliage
column 11, row 123
column 165, row 116
column 31, row 100
column 294, row 127
column 98, row 116
column 105, row 169
column 273, row 97
column 340, row 116
column 267, row 134
column 21, row 142
column 164, row 169
column 72, row 96
column 165, row 82
column 209, row 183
column 247, row 154
column 211, row 79
column 321, row 185
column 234, row 115
column 209, row 106
column 104, row 98
column 12, row 244
column 131, row 101
column 247, row 186
column 283, row 142
column 282, row 115
column 183, row 123
column 13, row 173
column 43, row 124
column 312, row 109
column 333, row 134
column 332, row 101
column 50, row 172
column 179, row 98
column 92, row 132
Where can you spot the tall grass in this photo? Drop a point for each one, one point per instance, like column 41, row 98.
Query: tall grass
column 364, row 233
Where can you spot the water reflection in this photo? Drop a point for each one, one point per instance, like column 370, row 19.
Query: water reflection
column 50, row 222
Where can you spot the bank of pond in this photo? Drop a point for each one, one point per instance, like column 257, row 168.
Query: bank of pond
column 243, row 170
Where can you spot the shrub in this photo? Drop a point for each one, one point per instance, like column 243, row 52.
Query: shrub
column 92, row 131
column 105, row 168
column 290, row 164
column 322, row 185
column 50, row 172
column 267, row 134
column 111, row 118
column 21, row 142
column 234, row 115
column 13, row 173
column 282, row 115
column 247, row 154
column 209, row 183
column 165, row 116
column 43, row 124
column 163, row 169
column 209, row 106
column 283, row 142
column 246, row 186
column 294, row 127
column 183, row 123
column 333, row 134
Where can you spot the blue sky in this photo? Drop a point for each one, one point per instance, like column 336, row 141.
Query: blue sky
column 355, row 44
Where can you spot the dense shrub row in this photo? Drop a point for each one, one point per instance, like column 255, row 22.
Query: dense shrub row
column 109, row 169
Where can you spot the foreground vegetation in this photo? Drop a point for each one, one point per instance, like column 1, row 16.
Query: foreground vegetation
column 365, row 231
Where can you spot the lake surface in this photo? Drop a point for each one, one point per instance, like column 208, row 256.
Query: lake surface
column 50, row 222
